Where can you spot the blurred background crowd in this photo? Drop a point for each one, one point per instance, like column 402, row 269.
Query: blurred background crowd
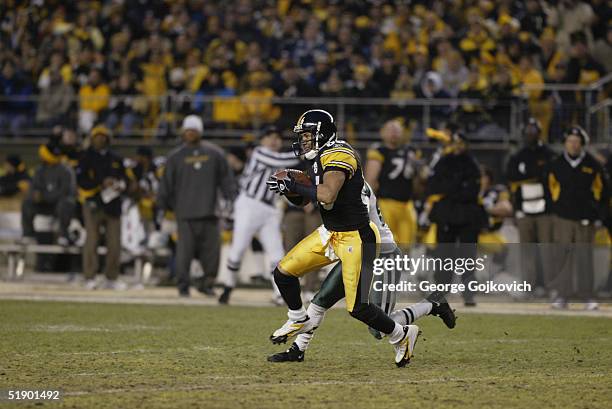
column 140, row 66
column 93, row 94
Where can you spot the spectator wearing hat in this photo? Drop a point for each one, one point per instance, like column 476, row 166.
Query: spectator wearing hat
column 579, row 192
column 101, row 180
column 527, row 172
column 194, row 173
column 52, row 192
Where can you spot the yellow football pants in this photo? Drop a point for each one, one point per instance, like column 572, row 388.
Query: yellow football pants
column 323, row 247
column 401, row 219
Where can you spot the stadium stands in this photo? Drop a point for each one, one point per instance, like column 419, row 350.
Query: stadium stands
column 141, row 66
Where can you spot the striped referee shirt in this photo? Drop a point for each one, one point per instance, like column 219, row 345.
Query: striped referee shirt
column 262, row 164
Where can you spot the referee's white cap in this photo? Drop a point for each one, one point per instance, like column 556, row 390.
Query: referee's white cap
column 193, row 122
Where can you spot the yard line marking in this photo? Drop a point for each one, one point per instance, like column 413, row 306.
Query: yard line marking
column 82, row 328
column 196, row 348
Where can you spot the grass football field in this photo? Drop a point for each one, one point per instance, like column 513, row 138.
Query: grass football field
column 118, row 356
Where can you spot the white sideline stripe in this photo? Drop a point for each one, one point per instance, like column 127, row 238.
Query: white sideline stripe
column 303, row 383
column 482, row 308
column 128, row 300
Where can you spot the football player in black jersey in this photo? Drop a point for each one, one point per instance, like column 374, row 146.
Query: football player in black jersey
column 346, row 234
column 391, row 169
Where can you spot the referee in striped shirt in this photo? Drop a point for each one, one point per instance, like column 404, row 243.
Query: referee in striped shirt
column 256, row 211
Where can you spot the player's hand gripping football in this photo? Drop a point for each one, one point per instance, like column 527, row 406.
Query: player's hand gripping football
column 282, row 186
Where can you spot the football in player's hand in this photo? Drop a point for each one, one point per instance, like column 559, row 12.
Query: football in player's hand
column 299, row 176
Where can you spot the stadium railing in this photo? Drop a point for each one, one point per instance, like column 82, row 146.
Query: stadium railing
column 228, row 119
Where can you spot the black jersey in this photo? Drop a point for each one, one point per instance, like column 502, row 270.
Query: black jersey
column 348, row 212
column 398, row 169
column 578, row 188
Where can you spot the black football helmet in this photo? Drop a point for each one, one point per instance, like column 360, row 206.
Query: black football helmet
column 321, row 125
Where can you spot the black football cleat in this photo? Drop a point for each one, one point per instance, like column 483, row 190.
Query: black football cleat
column 440, row 308
column 225, row 296
column 293, row 354
column 207, row 290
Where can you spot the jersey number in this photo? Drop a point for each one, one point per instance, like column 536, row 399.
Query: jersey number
column 401, row 166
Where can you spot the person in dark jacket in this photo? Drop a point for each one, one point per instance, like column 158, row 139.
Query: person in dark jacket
column 527, row 172
column 579, row 192
column 101, row 179
column 52, row 192
column 194, row 172
column 453, row 196
column 15, row 179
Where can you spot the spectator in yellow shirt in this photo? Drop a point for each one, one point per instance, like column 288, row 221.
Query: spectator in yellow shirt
column 540, row 108
column 93, row 99
column 257, row 105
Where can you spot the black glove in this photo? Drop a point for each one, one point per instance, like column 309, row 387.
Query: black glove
column 281, row 186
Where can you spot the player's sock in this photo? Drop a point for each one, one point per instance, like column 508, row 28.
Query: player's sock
column 412, row 313
column 316, row 313
column 289, row 288
column 232, row 277
column 397, row 334
column 297, row 315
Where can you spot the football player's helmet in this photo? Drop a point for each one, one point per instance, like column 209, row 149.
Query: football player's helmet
column 320, row 126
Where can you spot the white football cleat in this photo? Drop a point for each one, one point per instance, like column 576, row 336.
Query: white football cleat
column 559, row 304
column 404, row 349
column 91, row 284
column 116, row 285
column 591, row 305
column 291, row 328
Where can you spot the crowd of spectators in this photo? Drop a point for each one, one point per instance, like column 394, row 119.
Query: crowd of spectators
column 78, row 58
